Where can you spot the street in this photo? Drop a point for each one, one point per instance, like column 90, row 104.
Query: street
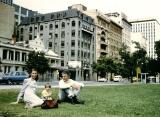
column 55, row 84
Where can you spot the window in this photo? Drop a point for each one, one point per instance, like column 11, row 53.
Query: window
column 21, row 30
column 63, row 25
column 72, row 53
column 17, row 56
column 73, row 43
column 73, row 33
column 41, row 28
column 78, row 43
column 4, row 54
column 30, row 37
column 62, row 53
column 42, row 18
column 50, row 35
column 21, row 38
column 50, row 44
column 50, row 26
column 11, row 55
column 37, row 19
column 30, row 29
column 79, row 23
column 32, row 19
column 63, row 34
column 55, row 35
column 62, row 63
column 16, row 16
column 56, row 26
column 78, row 53
column 52, row 16
column 79, row 33
column 73, row 23
column 62, row 44
column 23, row 56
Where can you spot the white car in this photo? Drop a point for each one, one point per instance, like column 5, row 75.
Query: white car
column 102, row 80
column 117, row 78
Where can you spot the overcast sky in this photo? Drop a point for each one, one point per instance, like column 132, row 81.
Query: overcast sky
column 134, row 9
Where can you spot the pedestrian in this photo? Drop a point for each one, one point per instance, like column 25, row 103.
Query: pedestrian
column 28, row 91
column 69, row 89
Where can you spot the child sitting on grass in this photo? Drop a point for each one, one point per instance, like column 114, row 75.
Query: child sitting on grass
column 47, row 92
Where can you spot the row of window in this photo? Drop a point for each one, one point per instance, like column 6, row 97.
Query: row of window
column 83, row 54
column 51, row 26
column 9, row 55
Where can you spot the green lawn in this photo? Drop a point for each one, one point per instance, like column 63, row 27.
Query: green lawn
column 101, row 101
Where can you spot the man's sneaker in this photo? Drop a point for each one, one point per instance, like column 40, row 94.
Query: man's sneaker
column 79, row 102
column 76, row 101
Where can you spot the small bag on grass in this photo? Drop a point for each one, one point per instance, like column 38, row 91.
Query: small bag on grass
column 48, row 104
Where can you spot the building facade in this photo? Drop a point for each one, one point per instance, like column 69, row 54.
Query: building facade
column 13, row 57
column 122, row 20
column 6, row 20
column 68, row 33
column 108, row 33
column 138, row 37
column 102, row 32
column 151, row 29
column 9, row 2
column 21, row 12
column 115, row 40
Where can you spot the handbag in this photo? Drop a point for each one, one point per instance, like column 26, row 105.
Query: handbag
column 48, row 104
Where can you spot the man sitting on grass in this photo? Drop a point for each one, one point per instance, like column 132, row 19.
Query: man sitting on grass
column 69, row 89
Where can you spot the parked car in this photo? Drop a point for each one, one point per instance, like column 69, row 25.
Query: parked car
column 1, row 76
column 15, row 77
column 102, row 80
column 117, row 78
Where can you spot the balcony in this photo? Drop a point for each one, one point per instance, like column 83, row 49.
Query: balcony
column 13, row 62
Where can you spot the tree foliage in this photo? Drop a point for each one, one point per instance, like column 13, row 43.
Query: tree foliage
column 38, row 61
column 157, row 49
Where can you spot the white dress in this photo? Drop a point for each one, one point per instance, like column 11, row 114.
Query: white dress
column 28, row 90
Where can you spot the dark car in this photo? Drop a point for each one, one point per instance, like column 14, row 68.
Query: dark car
column 15, row 77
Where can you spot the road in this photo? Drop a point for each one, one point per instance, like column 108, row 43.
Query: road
column 55, row 84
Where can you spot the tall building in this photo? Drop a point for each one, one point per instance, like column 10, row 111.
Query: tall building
column 6, row 20
column 138, row 37
column 9, row 2
column 115, row 39
column 68, row 33
column 151, row 30
column 21, row 12
column 108, row 34
column 122, row 20
column 102, row 32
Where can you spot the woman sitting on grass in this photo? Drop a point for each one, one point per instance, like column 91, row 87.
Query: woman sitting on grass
column 28, row 91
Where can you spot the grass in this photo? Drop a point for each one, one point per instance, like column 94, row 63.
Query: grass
column 101, row 101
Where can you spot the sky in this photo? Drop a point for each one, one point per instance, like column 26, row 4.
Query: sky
column 134, row 9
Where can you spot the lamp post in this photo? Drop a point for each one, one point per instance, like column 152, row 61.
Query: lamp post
column 85, row 69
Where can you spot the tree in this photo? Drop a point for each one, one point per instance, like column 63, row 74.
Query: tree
column 38, row 61
column 157, row 49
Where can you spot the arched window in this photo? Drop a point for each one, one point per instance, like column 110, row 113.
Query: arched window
column 41, row 28
column 79, row 24
column 30, row 29
column 21, row 30
column 73, row 23
column 63, row 25
column 50, row 26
